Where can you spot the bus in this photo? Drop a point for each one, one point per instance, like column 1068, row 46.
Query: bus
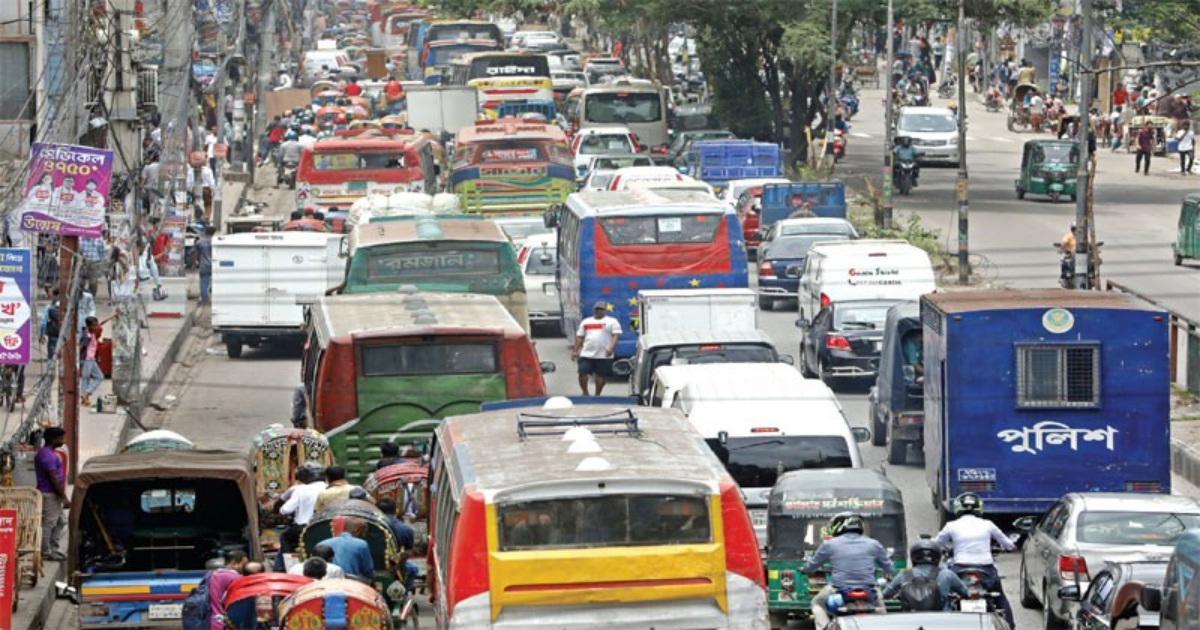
column 456, row 254
column 639, row 105
column 337, row 171
column 613, row 244
column 511, row 167
column 590, row 516
column 504, row 76
column 443, row 40
column 436, row 57
column 390, row 32
column 387, row 366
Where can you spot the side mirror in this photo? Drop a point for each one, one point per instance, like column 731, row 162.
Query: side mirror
column 548, row 367
column 550, row 218
column 802, row 322
column 723, row 437
column 1069, row 593
column 860, row 434
column 1151, row 598
column 873, row 397
column 1025, row 524
column 788, row 359
column 684, row 170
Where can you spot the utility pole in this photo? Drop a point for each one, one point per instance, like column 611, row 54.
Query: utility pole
column 831, row 98
column 1083, row 246
column 964, row 271
column 226, row 51
column 888, row 142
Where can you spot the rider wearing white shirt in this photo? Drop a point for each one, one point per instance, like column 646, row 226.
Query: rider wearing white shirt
column 971, row 538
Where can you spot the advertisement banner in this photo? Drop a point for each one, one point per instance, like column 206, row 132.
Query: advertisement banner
column 67, row 190
column 16, row 308
column 8, row 565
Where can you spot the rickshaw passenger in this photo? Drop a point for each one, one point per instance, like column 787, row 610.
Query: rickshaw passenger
column 351, row 551
column 325, row 554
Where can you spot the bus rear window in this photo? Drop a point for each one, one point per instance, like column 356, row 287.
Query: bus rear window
column 608, row 521
column 428, row 358
column 692, row 228
column 410, row 265
column 359, row 161
column 623, row 107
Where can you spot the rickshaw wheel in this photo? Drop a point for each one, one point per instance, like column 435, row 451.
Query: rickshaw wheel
column 1054, row 196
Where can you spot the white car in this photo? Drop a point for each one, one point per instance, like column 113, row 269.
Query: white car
column 601, row 169
column 521, row 39
column 594, row 141
column 517, row 229
column 538, row 258
column 934, row 133
column 645, row 177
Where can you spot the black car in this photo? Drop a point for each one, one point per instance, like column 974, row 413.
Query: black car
column 844, row 340
column 1108, row 600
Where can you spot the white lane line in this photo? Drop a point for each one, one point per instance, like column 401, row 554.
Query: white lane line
column 999, row 139
column 970, row 139
column 861, row 135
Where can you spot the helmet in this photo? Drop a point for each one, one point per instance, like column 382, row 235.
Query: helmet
column 291, row 135
column 846, row 523
column 968, row 502
column 925, row 552
column 310, row 472
column 904, row 140
column 341, row 119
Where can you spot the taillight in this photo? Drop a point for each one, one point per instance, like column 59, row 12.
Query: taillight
column 634, row 142
column 837, row 342
column 522, row 256
column 1072, row 569
column 825, row 300
column 741, row 544
column 765, row 270
column 660, row 150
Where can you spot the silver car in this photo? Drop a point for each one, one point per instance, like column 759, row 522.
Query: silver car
column 538, row 258
column 1084, row 530
column 934, row 133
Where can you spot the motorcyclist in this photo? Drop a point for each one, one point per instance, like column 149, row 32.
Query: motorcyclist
column 853, row 558
column 1069, row 241
column 289, row 151
column 971, row 538
column 925, row 559
column 905, row 152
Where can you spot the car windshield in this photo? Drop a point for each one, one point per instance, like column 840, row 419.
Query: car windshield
column 614, row 163
column 756, row 462
column 622, row 520
column 661, row 230
column 927, row 123
column 541, row 262
column 600, row 181
column 623, row 107
column 860, row 316
column 797, row 246
column 598, row 144
column 787, row 229
column 1133, row 528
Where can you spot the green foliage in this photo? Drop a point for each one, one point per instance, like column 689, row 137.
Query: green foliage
column 1169, row 21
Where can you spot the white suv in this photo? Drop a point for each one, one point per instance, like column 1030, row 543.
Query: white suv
column 934, row 133
column 538, row 258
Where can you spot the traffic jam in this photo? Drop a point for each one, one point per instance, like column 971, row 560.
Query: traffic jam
column 472, row 201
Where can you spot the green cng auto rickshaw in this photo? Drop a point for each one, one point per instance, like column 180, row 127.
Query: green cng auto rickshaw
column 800, row 508
column 1187, row 241
column 1048, row 167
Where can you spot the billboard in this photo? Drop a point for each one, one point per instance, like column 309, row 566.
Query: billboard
column 67, row 190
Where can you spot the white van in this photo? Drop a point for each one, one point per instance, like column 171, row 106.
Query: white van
column 669, row 380
column 762, row 426
column 863, row 270
column 314, row 60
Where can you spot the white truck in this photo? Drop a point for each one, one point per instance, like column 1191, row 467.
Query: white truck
column 442, row 108
column 697, row 309
column 261, row 282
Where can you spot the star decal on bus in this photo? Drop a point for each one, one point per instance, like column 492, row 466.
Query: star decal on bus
column 633, row 301
column 695, row 282
column 608, row 306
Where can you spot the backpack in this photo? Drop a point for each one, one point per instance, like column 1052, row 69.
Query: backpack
column 920, row 594
column 196, row 612
column 52, row 323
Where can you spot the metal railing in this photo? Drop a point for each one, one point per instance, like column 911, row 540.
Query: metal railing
column 1185, row 342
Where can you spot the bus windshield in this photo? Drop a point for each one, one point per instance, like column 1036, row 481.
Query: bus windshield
column 360, row 160
column 443, row 55
column 492, row 67
column 429, row 358
column 424, row 264
column 608, row 521
column 661, row 230
column 756, row 462
column 623, row 107
column 439, row 32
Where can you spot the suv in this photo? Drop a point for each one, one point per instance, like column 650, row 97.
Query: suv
column 538, row 258
column 934, row 133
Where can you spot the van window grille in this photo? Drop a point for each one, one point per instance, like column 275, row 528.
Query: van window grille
column 1050, row 376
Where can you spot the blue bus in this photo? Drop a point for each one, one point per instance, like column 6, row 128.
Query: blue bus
column 613, row 244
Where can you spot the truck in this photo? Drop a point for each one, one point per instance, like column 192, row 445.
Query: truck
column 802, row 199
column 717, row 162
column 696, row 309
column 1033, row 394
column 261, row 283
column 442, row 108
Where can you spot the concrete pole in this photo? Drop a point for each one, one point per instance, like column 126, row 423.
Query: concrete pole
column 964, row 271
column 1083, row 250
column 831, row 98
column 888, row 141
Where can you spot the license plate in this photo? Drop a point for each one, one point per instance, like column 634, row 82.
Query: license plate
column 973, row 605
column 165, row 611
column 357, row 186
column 758, row 518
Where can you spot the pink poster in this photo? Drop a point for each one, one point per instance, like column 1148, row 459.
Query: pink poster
column 67, row 190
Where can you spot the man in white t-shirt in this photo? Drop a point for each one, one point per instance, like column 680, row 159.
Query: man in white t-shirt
column 595, row 342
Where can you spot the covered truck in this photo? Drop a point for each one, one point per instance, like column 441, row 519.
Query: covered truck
column 717, row 162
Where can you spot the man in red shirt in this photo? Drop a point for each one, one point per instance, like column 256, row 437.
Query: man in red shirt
column 1120, row 96
column 353, row 88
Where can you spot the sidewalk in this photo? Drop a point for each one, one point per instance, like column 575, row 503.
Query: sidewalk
column 104, row 433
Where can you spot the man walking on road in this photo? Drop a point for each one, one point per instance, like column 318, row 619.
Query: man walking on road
column 204, row 262
column 49, row 470
column 1145, row 147
column 595, row 342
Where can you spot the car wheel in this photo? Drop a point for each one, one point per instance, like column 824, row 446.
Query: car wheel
column 897, row 452
column 1049, row 620
column 233, row 349
column 878, row 429
column 1178, row 259
column 766, row 303
column 805, row 371
column 1020, row 193
column 822, row 374
column 1028, row 599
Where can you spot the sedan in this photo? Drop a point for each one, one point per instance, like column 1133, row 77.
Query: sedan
column 922, row 621
column 538, row 258
column 779, row 264
column 844, row 340
column 1083, row 529
column 1114, row 596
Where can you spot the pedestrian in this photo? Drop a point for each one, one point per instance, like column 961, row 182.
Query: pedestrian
column 1120, row 96
column 1116, row 129
column 350, row 549
column 353, row 88
column 48, row 468
column 95, row 258
column 229, row 109
column 337, row 490
column 47, row 263
column 1187, row 146
column 1145, row 147
column 595, row 342
column 218, row 584
column 204, row 262
column 299, row 502
column 210, row 148
column 91, row 376
column 208, row 183
column 50, row 325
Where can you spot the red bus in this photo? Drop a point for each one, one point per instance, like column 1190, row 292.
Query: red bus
column 340, row 170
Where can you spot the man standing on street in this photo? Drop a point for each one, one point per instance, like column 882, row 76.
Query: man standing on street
column 96, row 261
column 1145, row 147
column 204, row 262
column 49, row 470
column 595, row 342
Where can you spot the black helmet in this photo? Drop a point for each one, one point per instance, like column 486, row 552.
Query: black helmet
column 924, row 552
column 846, row 523
column 968, row 503
column 310, row 472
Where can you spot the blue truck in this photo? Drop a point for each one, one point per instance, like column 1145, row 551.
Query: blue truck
column 818, row 199
column 717, row 162
column 1032, row 394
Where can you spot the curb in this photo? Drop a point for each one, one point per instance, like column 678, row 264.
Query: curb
column 1185, row 461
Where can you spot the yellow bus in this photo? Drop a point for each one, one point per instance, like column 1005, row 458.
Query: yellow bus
column 511, row 167
column 504, row 76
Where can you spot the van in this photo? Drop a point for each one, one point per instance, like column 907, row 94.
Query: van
column 767, row 420
column 314, row 60
column 863, row 270
column 669, row 380
column 690, row 346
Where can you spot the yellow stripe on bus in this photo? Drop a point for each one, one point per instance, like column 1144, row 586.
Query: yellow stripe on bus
column 117, row 590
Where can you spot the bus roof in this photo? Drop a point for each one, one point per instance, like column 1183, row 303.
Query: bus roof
column 426, row 229
column 369, row 138
column 510, row 129
column 488, row 452
column 644, row 202
column 390, row 315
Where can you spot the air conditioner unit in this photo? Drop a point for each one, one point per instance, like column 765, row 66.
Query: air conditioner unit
column 148, row 88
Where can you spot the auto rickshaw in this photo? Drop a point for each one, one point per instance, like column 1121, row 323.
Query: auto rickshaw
column 278, row 452
column 799, row 510
column 314, row 607
column 1018, row 111
column 385, row 552
column 898, row 397
column 1187, row 241
column 1048, row 167
column 327, row 116
column 252, row 601
column 393, row 123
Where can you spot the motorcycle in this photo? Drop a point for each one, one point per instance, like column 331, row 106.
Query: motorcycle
column 851, row 601
column 905, row 177
column 978, row 599
column 839, row 145
column 917, row 99
column 849, row 105
column 286, row 175
column 948, row 87
column 994, row 102
column 1066, row 274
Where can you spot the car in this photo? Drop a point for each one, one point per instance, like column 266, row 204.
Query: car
column 782, row 255
column 921, row 621
column 601, row 141
column 601, row 169
column 934, row 133
column 603, row 73
column 520, row 39
column 1078, row 532
column 518, row 228
column 844, row 340
column 538, row 257
column 644, row 176
column 732, row 192
column 571, row 59
column 1114, row 596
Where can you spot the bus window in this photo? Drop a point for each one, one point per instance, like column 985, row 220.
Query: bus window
column 623, row 107
column 358, row 161
column 609, row 521
column 412, row 265
column 424, row 359
column 698, row 228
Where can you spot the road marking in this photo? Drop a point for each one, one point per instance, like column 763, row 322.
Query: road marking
column 861, row 135
column 970, row 139
column 998, row 139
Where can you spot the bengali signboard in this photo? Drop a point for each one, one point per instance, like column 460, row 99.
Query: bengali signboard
column 8, row 565
column 67, row 190
column 16, row 309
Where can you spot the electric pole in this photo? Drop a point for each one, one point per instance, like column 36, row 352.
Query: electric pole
column 964, row 271
column 831, row 99
column 888, row 142
column 1083, row 246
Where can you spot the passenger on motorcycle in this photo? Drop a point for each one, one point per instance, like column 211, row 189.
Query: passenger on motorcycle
column 853, row 558
column 971, row 538
column 904, row 152
column 925, row 558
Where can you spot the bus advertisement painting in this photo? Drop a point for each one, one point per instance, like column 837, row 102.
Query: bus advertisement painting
column 67, row 190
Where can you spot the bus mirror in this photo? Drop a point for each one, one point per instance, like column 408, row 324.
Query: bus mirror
column 1151, row 598
column 548, row 367
column 723, row 437
column 683, row 170
column 550, row 218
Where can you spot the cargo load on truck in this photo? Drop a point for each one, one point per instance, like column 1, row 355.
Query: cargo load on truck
column 801, row 199
column 716, row 162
